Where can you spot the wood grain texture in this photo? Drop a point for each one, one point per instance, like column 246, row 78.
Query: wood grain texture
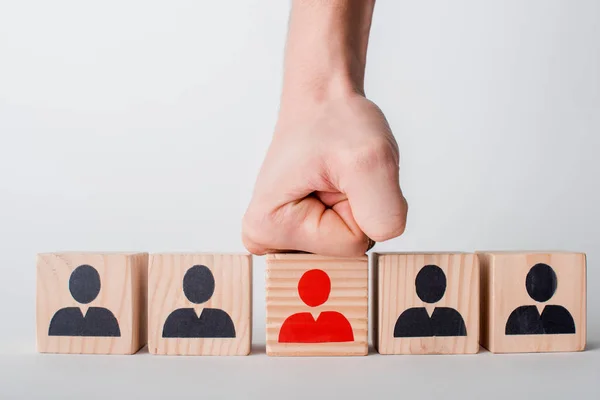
column 232, row 294
column 123, row 278
column 348, row 296
column 395, row 292
column 503, row 276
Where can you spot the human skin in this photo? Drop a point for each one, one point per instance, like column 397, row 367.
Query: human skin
column 330, row 180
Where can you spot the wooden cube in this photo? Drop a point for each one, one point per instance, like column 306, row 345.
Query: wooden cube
column 426, row 303
column 316, row 306
column 533, row 302
column 200, row 304
column 93, row 303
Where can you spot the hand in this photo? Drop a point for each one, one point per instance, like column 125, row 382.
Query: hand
column 329, row 182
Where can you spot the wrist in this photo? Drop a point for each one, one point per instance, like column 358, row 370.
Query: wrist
column 312, row 88
column 326, row 51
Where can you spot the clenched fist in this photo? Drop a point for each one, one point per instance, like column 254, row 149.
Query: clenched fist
column 329, row 182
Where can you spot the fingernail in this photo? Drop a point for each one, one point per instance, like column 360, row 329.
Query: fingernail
column 371, row 243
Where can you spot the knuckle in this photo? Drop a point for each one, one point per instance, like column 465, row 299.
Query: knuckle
column 264, row 231
column 390, row 224
column 253, row 236
column 393, row 227
column 374, row 156
column 357, row 246
column 253, row 247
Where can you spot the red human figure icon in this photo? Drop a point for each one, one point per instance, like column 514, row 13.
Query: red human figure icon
column 330, row 326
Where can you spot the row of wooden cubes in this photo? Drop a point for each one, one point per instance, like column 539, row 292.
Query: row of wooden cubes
column 201, row 304
column 115, row 303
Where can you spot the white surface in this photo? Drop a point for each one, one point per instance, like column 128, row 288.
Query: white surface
column 482, row 376
column 140, row 125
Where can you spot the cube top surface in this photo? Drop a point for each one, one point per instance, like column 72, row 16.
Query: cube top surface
column 525, row 252
column 417, row 253
column 200, row 253
column 92, row 253
column 311, row 257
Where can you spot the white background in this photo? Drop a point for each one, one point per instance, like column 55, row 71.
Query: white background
column 141, row 125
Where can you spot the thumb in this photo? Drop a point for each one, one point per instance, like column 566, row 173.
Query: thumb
column 375, row 197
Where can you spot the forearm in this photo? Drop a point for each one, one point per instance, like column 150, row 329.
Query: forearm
column 326, row 49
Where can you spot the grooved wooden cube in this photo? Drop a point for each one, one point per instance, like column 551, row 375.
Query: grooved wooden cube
column 533, row 301
column 316, row 306
column 92, row 303
column 426, row 303
column 200, row 304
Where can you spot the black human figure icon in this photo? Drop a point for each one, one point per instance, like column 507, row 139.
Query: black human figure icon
column 430, row 285
column 541, row 285
column 84, row 285
column 198, row 287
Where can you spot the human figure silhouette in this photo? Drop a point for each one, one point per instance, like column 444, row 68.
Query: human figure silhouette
column 198, row 287
column 84, row 285
column 330, row 326
column 430, row 285
column 541, row 285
